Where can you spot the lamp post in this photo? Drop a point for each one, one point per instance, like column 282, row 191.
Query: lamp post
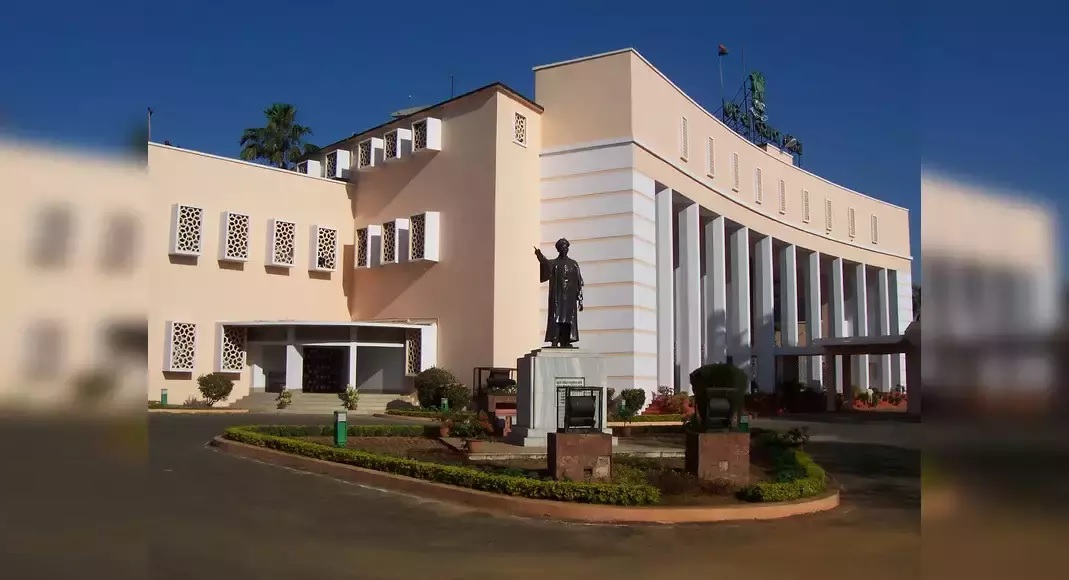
column 340, row 428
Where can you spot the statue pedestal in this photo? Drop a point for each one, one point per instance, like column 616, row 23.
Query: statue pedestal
column 539, row 373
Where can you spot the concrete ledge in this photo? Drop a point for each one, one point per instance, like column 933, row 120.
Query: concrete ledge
column 223, row 411
column 532, row 508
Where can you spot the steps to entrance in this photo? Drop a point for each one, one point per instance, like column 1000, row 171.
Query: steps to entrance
column 315, row 403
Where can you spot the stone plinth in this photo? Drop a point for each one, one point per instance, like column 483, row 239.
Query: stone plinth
column 538, row 374
column 580, row 456
column 719, row 456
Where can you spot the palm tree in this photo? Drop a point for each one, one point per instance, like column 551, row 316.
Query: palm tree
column 281, row 142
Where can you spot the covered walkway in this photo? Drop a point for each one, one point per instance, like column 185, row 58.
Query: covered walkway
column 907, row 344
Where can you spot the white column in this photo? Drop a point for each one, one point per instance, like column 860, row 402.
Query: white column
column 294, row 361
column 764, row 338
column 861, row 328
column 352, row 356
column 788, row 287
column 813, row 327
column 739, row 333
column 716, row 312
column 883, row 310
column 665, row 290
column 689, row 323
column 838, row 322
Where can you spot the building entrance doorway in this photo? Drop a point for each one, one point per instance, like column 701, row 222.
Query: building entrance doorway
column 325, row 369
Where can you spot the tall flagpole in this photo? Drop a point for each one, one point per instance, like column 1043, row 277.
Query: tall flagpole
column 720, row 61
column 150, row 124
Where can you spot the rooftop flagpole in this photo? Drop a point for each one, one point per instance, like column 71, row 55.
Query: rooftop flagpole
column 720, row 54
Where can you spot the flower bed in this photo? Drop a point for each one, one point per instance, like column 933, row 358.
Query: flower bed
column 283, row 438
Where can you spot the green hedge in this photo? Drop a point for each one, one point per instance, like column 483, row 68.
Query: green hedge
column 328, row 430
column 414, row 413
column 571, row 491
column 796, row 476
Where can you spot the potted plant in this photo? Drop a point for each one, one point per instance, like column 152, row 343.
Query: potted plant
column 445, row 423
column 350, row 397
column 626, row 414
column 475, row 431
column 284, row 399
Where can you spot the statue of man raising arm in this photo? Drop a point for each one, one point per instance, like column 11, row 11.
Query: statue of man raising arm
column 565, row 295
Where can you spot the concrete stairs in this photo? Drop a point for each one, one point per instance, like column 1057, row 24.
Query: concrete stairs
column 315, row 403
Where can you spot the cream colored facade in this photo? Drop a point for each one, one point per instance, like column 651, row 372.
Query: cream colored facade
column 72, row 299
column 668, row 204
column 410, row 245
column 458, row 310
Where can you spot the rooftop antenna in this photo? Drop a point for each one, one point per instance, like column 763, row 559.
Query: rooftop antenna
column 150, row 124
column 452, row 85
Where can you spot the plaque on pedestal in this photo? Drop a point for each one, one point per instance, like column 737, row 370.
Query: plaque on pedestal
column 542, row 378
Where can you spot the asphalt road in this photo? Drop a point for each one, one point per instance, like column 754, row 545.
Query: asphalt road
column 202, row 514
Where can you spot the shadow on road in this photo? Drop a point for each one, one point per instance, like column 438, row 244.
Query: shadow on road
column 873, row 475
column 849, row 417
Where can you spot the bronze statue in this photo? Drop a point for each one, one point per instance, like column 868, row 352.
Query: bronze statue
column 565, row 296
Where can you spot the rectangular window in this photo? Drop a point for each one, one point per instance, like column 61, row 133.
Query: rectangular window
column 851, row 225
column 758, row 192
column 875, row 226
column 735, row 171
column 684, row 141
column 827, row 214
column 805, row 205
column 711, row 159
column 519, row 130
column 782, row 196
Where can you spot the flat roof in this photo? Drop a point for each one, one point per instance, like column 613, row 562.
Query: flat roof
column 345, row 324
column 496, row 86
column 701, row 108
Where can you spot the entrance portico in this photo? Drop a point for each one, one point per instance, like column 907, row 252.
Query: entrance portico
column 325, row 357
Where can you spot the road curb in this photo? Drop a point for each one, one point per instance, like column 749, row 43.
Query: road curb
column 532, row 508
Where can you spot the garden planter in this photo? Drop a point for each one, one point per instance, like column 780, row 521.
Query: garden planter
column 475, row 446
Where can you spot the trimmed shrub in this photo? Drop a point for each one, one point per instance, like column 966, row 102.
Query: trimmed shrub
column 328, row 430
column 633, row 399
column 214, row 387
column 796, row 476
column 428, row 384
column 422, row 413
column 435, row 384
column 571, row 491
column 459, row 396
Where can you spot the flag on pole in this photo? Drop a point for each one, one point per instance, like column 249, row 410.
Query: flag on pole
column 721, row 50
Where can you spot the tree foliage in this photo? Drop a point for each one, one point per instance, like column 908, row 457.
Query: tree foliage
column 279, row 143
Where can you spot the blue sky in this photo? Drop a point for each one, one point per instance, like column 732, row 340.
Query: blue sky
column 872, row 88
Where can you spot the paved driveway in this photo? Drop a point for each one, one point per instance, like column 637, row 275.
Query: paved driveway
column 227, row 517
column 77, row 502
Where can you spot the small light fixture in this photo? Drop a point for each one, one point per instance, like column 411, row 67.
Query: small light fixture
column 581, row 408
